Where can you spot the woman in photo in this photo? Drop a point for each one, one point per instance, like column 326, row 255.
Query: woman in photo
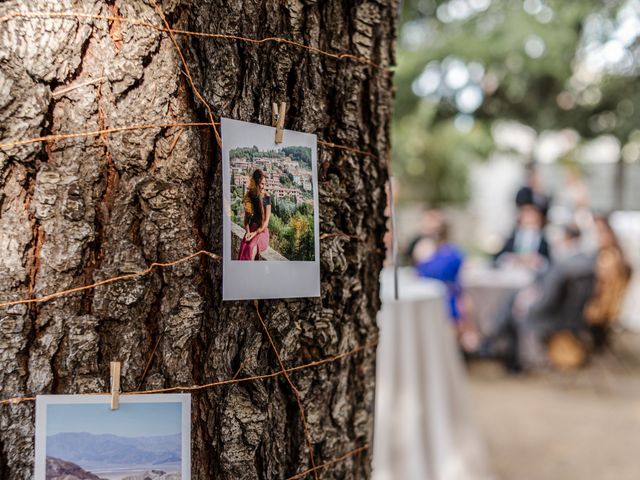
column 257, row 211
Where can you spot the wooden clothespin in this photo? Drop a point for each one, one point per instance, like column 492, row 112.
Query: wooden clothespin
column 115, row 385
column 277, row 120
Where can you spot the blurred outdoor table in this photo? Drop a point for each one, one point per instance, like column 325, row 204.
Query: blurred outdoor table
column 423, row 423
column 489, row 288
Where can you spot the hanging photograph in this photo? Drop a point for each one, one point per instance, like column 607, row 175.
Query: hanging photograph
column 80, row 437
column 271, row 242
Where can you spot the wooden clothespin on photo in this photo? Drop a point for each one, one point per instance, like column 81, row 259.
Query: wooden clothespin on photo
column 277, row 120
column 115, row 385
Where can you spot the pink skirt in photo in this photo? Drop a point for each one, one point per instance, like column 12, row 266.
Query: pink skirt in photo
column 261, row 241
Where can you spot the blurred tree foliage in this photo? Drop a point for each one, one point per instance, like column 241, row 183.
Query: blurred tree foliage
column 524, row 54
column 432, row 156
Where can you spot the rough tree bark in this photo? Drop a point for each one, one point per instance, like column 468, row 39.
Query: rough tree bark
column 80, row 210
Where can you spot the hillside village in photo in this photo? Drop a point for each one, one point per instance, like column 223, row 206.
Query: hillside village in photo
column 287, row 171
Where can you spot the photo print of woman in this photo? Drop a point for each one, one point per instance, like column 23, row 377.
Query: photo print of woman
column 257, row 212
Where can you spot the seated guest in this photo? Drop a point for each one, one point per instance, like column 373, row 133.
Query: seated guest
column 435, row 257
column 532, row 194
column 527, row 246
column 430, row 223
column 556, row 301
column 613, row 274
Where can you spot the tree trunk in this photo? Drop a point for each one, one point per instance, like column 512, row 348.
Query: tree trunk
column 79, row 210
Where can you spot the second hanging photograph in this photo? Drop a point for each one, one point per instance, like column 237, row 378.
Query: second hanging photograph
column 271, row 242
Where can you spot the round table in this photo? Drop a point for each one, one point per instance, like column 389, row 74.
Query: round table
column 423, row 424
column 489, row 290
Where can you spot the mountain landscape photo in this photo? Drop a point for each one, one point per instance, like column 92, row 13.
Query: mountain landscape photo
column 87, row 456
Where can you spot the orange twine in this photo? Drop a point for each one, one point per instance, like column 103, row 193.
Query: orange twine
column 141, row 273
column 107, row 131
column 331, row 462
column 194, row 388
column 295, row 391
column 188, row 72
column 141, row 23
column 128, row 276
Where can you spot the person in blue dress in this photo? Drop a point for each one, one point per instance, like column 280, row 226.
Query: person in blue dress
column 434, row 256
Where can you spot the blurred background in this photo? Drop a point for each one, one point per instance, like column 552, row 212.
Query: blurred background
column 503, row 105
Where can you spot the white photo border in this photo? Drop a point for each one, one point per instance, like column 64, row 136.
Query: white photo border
column 249, row 280
column 43, row 401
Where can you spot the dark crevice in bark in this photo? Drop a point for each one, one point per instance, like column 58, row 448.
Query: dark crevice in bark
column 259, row 106
column 152, row 329
column 77, row 73
column 291, row 441
column 203, row 217
column 205, row 221
column 100, row 353
column 44, row 153
column 210, row 232
column 134, row 232
column 4, row 471
column 115, row 26
column 57, row 368
column 35, row 244
column 111, row 180
column 305, row 28
column 292, row 111
column 109, row 332
column 34, row 268
column 259, row 464
column 199, row 346
column 153, row 152
column 6, row 173
column 236, row 361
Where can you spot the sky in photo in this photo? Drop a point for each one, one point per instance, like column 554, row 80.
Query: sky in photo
column 130, row 420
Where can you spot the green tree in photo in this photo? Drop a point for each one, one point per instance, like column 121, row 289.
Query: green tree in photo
column 293, row 238
column 283, row 208
column 306, row 209
column 300, row 226
column 300, row 154
column 286, row 180
column 306, row 246
column 277, row 234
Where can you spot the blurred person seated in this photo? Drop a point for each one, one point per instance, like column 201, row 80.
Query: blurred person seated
column 555, row 302
column 430, row 223
column 531, row 193
column 435, row 257
column 613, row 274
column 527, row 246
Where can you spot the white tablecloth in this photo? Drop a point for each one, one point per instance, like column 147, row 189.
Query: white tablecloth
column 489, row 289
column 423, row 423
